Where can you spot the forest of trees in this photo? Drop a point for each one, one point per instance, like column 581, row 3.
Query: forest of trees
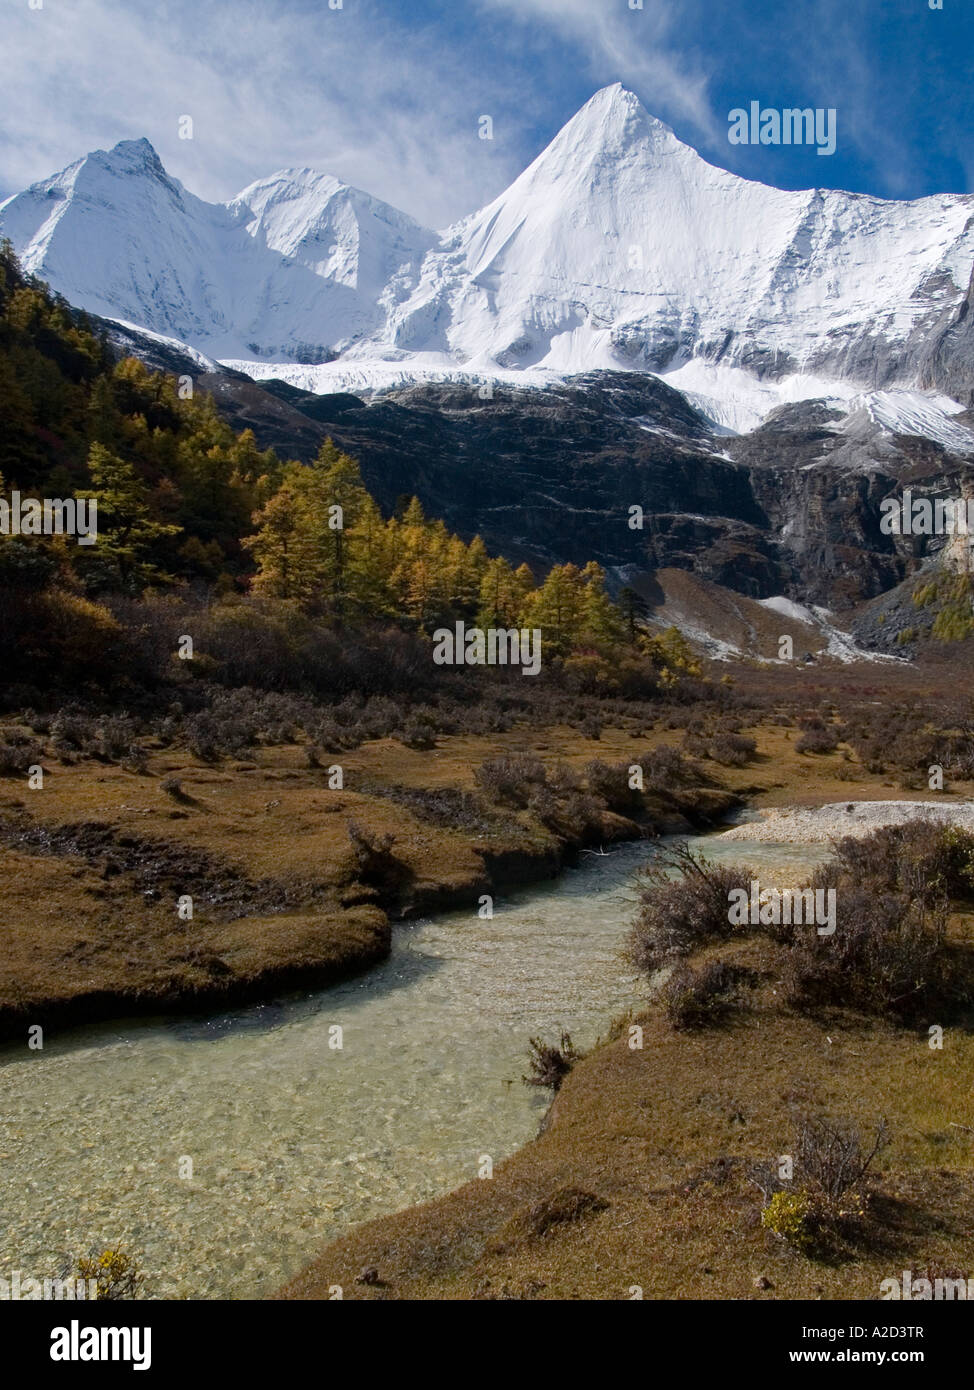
column 188, row 506
column 321, row 541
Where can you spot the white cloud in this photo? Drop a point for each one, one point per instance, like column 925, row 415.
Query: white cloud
column 347, row 91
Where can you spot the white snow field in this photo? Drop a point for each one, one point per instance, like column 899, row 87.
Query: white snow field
column 618, row 247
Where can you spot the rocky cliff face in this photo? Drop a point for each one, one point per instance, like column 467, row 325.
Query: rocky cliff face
column 552, row 475
column 792, row 508
column 949, row 367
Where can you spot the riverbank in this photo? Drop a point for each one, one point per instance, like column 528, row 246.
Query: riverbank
column 284, row 897
column 313, row 1113
column 293, row 1142
column 652, row 1172
column 639, row 1184
column 192, row 887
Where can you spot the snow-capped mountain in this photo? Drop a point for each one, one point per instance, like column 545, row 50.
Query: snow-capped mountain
column 619, row 247
column 294, row 264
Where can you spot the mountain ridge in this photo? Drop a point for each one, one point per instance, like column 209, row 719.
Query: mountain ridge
column 619, row 247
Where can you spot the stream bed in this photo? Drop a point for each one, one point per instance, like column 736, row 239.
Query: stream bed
column 292, row 1140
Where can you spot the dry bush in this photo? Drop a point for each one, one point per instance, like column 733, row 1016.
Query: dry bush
column 611, row 783
column 732, row 750
column 817, row 739
column 888, row 955
column 114, row 736
column 833, row 1158
column 16, row 758
column 511, row 781
column 704, row 997
column 550, row 1062
column 924, row 859
column 684, row 903
column 823, row 1207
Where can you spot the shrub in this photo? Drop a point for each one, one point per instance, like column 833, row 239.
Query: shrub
column 204, row 737
column 696, row 745
column 678, row 914
column 15, row 738
column 419, row 731
column 701, row 998
column 59, row 641
column 116, row 1273
column 831, row 1171
column 889, row 952
column 570, row 815
column 511, row 780
column 16, row 758
column 789, row 1215
column 329, row 735
column 888, row 955
column 611, row 783
column 834, row 1157
column 667, row 770
column 817, row 740
column 562, row 780
column 924, row 859
column 137, row 759
column 732, row 750
column 115, row 736
column 71, row 730
column 550, row 1062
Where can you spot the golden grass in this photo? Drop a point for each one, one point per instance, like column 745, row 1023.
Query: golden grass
column 664, row 1136
column 82, row 944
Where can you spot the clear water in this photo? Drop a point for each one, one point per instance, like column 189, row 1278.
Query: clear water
column 291, row 1140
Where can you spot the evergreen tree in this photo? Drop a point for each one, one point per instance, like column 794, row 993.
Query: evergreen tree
column 601, row 623
column 632, row 608
column 127, row 533
column 557, row 609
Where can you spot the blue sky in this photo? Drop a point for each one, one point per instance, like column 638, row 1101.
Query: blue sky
column 387, row 93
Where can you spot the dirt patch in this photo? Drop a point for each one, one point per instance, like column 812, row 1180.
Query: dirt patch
column 159, row 870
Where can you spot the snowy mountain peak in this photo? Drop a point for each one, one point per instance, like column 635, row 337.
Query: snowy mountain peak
column 619, row 246
column 128, row 162
column 337, row 231
column 132, row 156
column 609, row 122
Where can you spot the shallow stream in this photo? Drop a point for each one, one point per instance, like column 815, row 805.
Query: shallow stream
column 291, row 1139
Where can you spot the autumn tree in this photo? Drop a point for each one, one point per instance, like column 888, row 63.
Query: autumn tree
column 128, row 536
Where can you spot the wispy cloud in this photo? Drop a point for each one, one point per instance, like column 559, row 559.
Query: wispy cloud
column 387, row 94
column 349, row 91
column 644, row 48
